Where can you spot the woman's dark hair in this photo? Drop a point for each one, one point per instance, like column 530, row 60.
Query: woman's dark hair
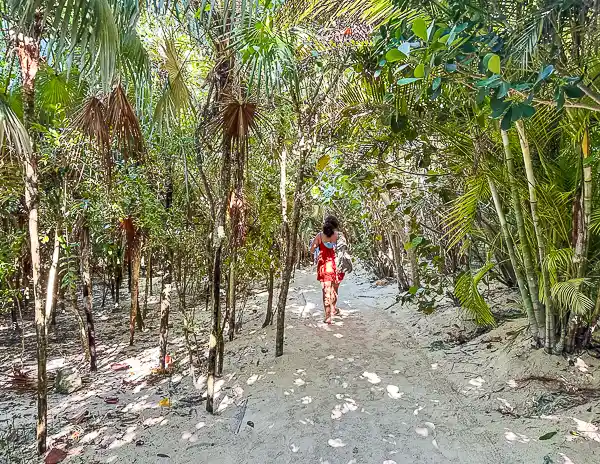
column 333, row 221
column 328, row 229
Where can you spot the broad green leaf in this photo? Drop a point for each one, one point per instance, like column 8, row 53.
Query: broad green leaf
column 420, row 71
column 407, row 80
column 394, row 55
column 559, row 97
column 436, row 83
column 572, row 91
column 405, row 48
column 494, row 64
column 527, row 110
column 451, row 67
column 503, row 90
column 548, row 436
column 323, row 162
column 498, row 108
column 419, row 27
column 377, row 73
column 544, row 73
column 507, row 120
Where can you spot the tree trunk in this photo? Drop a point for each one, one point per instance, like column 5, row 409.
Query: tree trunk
column 397, row 248
column 528, row 262
column 149, row 270
column 270, row 289
column 135, row 263
column 523, row 289
column 146, row 286
column 86, row 286
column 50, row 285
column 165, row 306
column 290, row 236
column 218, row 238
column 415, row 281
column 81, row 323
column 232, row 315
column 583, row 235
column 539, row 233
column 28, row 51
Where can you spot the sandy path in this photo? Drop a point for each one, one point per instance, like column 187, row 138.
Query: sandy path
column 357, row 392
column 361, row 391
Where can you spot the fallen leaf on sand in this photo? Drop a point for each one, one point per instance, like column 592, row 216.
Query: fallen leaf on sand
column 336, row 443
column 252, row 379
column 120, row 366
column 55, row 456
column 394, row 392
column 299, row 382
column 330, row 357
column 422, row 431
column 566, row 459
column 371, row 377
column 111, row 400
column 587, row 430
column 306, row 400
column 338, row 335
column 581, row 365
column 165, row 403
column 549, row 435
column 294, row 448
column 389, row 462
column 478, row 382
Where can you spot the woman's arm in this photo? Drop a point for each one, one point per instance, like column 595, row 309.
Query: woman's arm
column 315, row 244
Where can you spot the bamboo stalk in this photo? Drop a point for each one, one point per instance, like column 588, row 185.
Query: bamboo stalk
column 528, row 262
column 522, row 283
column 539, row 234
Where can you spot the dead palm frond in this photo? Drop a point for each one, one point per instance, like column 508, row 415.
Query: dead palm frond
column 124, row 124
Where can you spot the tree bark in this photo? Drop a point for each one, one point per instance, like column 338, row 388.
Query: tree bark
column 291, row 238
column 270, row 290
column 218, row 238
column 81, row 323
column 28, row 51
column 523, row 289
column 86, row 287
column 583, row 236
column 232, row 314
column 528, row 262
column 539, row 233
column 165, row 306
column 135, row 263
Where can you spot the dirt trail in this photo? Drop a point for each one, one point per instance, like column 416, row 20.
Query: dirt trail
column 360, row 391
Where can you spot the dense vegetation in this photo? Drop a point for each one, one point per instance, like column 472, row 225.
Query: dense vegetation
column 455, row 140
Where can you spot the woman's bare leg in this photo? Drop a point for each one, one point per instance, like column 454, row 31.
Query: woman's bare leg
column 327, row 301
column 335, row 291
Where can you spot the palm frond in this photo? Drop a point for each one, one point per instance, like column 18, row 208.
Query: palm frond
column 461, row 217
column 13, row 135
column 471, row 300
column 124, row 124
column 92, row 26
column 569, row 297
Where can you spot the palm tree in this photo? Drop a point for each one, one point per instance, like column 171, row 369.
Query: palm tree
column 87, row 29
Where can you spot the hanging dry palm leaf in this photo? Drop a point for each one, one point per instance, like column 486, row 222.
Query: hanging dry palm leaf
column 90, row 120
column 124, row 124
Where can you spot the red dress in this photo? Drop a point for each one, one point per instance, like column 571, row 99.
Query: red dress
column 326, row 270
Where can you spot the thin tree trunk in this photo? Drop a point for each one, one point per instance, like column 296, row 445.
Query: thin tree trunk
column 396, row 244
column 86, row 284
column 412, row 255
column 165, row 307
column 85, row 344
column 54, row 301
column 218, row 238
column 539, row 233
column 135, row 263
column 146, row 286
column 52, row 275
column 583, row 236
column 149, row 270
column 523, row 289
column 291, row 237
column 528, row 262
column 28, row 51
column 232, row 314
column 270, row 290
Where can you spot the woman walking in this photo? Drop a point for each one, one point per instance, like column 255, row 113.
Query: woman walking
column 326, row 269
